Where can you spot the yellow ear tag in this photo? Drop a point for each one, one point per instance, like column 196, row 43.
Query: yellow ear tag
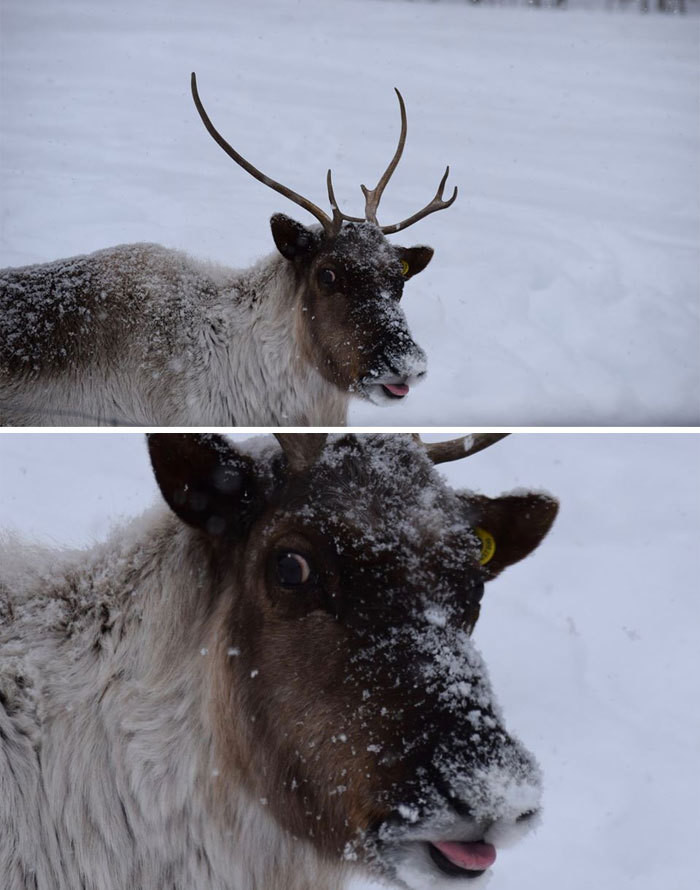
column 405, row 268
column 488, row 545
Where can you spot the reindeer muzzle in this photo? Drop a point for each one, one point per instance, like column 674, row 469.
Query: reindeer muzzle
column 396, row 374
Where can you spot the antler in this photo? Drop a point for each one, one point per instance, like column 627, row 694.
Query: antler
column 455, row 449
column 327, row 223
column 436, row 204
column 373, row 196
column 301, row 449
column 338, row 215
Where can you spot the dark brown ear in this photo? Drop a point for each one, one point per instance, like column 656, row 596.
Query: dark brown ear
column 510, row 527
column 293, row 240
column 205, row 481
column 416, row 259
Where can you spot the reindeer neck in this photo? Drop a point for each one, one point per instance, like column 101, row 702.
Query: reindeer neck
column 105, row 732
column 251, row 338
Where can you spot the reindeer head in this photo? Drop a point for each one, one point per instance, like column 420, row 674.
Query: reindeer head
column 350, row 280
column 348, row 693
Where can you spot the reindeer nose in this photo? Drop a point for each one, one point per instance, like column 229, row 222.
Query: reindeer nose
column 408, row 360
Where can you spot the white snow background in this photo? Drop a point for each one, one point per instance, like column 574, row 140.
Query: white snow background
column 564, row 288
column 592, row 642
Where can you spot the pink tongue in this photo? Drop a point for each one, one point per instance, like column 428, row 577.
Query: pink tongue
column 473, row 857
column 397, row 389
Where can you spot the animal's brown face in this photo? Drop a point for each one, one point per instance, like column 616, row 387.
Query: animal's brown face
column 352, row 326
column 356, row 704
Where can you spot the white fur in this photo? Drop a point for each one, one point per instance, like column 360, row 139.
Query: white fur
column 107, row 773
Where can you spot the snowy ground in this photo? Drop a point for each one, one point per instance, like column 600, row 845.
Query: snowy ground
column 592, row 642
column 565, row 284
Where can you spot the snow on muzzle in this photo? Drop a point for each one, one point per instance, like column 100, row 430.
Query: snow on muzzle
column 396, row 362
column 473, row 790
column 391, row 378
column 463, row 819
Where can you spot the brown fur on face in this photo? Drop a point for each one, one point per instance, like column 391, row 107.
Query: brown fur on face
column 352, row 327
column 327, row 702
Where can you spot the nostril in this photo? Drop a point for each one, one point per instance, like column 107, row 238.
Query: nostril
column 524, row 817
column 459, row 806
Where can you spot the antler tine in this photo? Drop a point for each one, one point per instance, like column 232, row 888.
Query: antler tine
column 373, row 197
column 338, row 215
column 436, row 204
column 455, row 449
column 322, row 217
column 301, row 449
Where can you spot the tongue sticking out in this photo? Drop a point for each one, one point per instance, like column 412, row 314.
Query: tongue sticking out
column 399, row 390
column 469, row 856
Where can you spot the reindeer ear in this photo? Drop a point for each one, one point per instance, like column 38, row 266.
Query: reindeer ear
column 510, row 527
column 414, row 259
column 293, row 240
column 205, row 481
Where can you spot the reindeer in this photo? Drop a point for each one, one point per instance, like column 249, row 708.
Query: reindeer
column 140, row 334
column 270, row 685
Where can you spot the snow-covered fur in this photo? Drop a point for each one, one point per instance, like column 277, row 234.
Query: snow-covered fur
column 143, row 335
column 178, row 711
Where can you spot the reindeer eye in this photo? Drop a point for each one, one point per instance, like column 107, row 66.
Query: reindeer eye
column 326, row 276
column 292, row 569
